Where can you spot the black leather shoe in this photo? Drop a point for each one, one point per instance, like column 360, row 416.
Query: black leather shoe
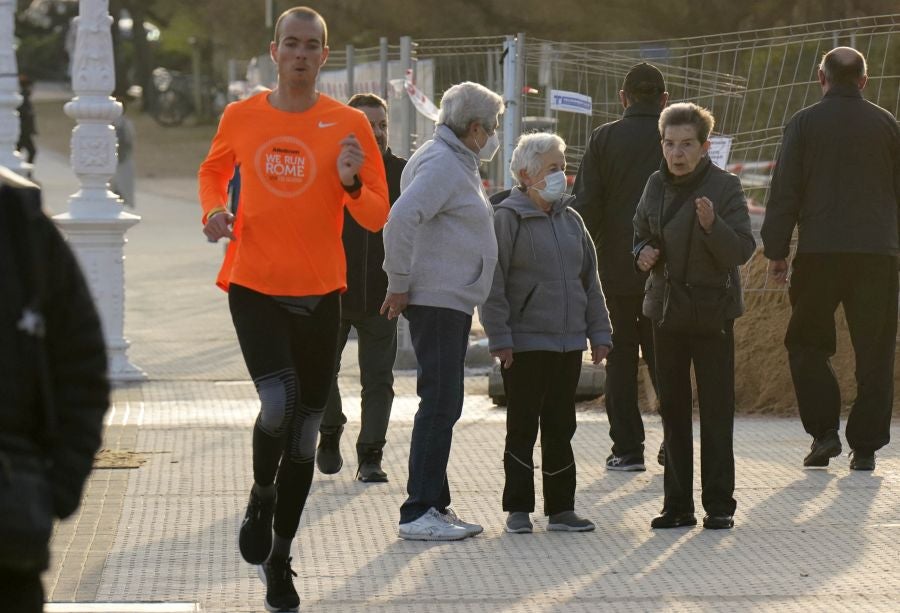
column 370, row 468
column 673, row 520
column 718, row 522
column 860, row 460
column 328, row 453
column 822, row 450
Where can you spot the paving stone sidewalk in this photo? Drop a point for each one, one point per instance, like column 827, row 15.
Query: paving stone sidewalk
column 166, row 532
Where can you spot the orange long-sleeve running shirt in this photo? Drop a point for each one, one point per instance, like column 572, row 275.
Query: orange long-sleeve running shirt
column 288, row 227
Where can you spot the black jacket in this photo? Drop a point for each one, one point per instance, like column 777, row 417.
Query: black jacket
column 73, row 341
column 366, row 280
column 619, row 158
column 837, row 178
column 714, row 257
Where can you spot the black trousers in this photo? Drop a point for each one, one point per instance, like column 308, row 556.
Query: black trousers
column 866, row 284
column 291, row 358
column 21, row 592
column 540, row 392
column 377, row 351
column 632, row 337
column 713, row 360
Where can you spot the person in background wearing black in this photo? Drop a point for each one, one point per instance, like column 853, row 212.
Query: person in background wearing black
column 27, row 124
column 53, row 387
column 619, row 158
column 366, row 287
column 838, row 181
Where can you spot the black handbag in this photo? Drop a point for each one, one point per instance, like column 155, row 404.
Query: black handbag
column 694, row 309
column 687, row 308
column 26, row 493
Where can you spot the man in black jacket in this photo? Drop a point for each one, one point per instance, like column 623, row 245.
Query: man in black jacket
column 838, row 180
column 53, row 386
column 366, row 288
column 619, row 158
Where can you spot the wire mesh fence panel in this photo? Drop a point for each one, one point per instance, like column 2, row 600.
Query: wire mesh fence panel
column 752, row 82
column 454, row 60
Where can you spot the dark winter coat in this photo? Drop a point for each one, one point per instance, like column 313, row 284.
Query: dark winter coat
column 31, row 248
column 837, row 179
column 714, row 257
column 619, row 159
column 366, row 280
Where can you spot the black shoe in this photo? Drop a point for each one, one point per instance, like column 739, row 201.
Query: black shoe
column 860, row 460
column 255, row 537
column 673, row 520
column 625, row 463
column 328, row 454
column 278, row 577
column 369, row 470
column 718, row 522
column 822, row 450
column 661, row 455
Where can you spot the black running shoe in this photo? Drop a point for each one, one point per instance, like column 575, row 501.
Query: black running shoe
column 278, row 577
column 255, row 538
column 328, row 453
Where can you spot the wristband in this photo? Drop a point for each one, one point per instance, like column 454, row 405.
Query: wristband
column 357, row 185
column 214, row 212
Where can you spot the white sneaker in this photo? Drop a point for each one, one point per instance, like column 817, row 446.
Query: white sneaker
column 432, row 526
column 452, row 518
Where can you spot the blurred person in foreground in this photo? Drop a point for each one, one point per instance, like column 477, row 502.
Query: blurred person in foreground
column 619, row 158
column 377, row 335
column 440, row 253
column 692, row 231
column 53, row 389
column 545, row 303
column 304, row 158
column 837, row 181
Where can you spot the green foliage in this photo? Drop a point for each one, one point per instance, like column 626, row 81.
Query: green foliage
column 42, row 56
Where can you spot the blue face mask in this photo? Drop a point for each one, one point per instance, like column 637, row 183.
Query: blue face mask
column 554, row 187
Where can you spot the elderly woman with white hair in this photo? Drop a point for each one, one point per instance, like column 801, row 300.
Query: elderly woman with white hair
column 545, row 303
column 440, row 254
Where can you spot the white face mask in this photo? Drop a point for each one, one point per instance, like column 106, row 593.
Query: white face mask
column 489, row 150
column 554, row 187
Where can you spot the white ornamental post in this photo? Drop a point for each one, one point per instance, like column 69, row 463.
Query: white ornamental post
column 96, row 223
column 9, row 93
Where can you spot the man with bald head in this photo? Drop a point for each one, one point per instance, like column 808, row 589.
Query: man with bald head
column 837, row 180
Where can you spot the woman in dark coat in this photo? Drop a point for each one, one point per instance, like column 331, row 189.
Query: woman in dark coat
column 692, row 230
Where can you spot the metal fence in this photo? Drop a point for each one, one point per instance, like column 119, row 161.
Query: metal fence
column 752, row 81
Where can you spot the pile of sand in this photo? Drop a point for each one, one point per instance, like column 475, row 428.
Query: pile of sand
column 762, row 375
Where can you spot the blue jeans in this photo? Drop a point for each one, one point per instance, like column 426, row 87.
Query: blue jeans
column 440, row 337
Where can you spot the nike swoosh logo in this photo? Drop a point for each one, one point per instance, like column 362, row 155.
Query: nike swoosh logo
column 323, row 124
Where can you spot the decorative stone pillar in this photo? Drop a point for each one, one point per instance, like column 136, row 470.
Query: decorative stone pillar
column 9, row 93
column 96, row 222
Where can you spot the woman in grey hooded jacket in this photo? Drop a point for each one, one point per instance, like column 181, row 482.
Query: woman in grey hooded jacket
column 544, row 303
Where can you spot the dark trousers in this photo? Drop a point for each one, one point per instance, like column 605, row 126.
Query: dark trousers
column 713, row 360
column 291, row 358
column 866, row 284
column 632, row 337
column 540, row 392
column 21, row 592
column 440, row 338
column 377, row 351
